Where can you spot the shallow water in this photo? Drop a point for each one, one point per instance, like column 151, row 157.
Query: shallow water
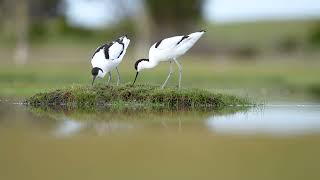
column 279, row 141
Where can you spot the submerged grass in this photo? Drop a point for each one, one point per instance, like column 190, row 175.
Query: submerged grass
column 139, row 96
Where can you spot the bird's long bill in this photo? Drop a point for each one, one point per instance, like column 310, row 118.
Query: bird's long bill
column 94, row 78
column 135, row 78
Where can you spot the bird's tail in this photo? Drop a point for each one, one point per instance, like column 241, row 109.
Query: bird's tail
column 196, row 35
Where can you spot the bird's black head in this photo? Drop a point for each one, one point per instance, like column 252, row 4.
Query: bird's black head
column 136, row 67
column 95, row 72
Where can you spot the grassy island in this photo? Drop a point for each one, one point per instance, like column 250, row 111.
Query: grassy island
column 145, row 96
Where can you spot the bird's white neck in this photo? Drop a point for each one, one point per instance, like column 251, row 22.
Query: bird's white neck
column 151, row 64
column 148, row 64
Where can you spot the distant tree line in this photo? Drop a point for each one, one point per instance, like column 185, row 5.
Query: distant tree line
column 174, row 16
column 314, row 37
column 25, row 20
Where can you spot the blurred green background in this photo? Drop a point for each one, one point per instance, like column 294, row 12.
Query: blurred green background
column 271, row 54
column 267, row 50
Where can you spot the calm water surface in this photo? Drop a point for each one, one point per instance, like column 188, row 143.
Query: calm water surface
column 270, row 142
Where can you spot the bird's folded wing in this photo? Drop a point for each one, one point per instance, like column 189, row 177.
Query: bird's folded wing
column 115, row 50
column 169, row 43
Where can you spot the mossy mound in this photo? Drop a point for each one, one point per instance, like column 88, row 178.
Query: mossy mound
column 134, row 96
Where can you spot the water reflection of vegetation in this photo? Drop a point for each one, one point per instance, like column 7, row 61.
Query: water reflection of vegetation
column 129, row 114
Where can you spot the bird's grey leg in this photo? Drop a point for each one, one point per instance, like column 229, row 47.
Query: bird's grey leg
column 180, row 72
column 109, row 78
column 118, row 81
column 169, row 75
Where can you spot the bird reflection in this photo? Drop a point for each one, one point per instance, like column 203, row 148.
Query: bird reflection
column 70, row 127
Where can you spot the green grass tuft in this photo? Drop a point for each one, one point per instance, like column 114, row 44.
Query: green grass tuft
column 145, row 96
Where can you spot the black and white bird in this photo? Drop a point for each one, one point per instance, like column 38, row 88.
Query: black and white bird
column 107, row 57
column 168, row 49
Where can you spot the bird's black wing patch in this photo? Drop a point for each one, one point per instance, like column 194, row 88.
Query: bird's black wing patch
column 158, row 43
column 136, row 64
column 184, row 37
column 98, row 49
column 106, row 49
